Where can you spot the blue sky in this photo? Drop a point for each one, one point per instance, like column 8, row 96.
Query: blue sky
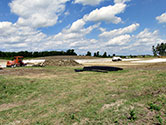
column 116, row 26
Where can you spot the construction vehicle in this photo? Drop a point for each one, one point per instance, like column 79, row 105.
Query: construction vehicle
column 16, row 62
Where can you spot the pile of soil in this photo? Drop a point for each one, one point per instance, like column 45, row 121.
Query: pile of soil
column 60, row 62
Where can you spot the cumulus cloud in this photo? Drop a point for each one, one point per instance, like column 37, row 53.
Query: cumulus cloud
column 143, row 41
column 107, row 14
column 147, row 38
column 77, row 25
column 37, row 13
column 13, row 36
column 119, row 40
column 115, row 32
column 24, row 35
column 73, row 37
column 161, row 18
column 123, row 43
column 16, row 38
column 88, row 2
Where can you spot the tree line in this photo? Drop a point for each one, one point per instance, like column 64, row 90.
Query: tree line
column 105, row 55
column 36, row 54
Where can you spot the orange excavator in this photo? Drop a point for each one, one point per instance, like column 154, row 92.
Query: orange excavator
column 16, row 62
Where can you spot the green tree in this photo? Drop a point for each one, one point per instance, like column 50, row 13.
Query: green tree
column 94, row 54
column 160, row 49
column 88, row 53
column 70, row 52
column 105, row 54
column 154, row 51
column 98, row 54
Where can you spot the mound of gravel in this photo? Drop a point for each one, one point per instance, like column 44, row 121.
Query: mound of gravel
column 60, row 62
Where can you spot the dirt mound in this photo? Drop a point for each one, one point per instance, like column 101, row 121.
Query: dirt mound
column 60, row 62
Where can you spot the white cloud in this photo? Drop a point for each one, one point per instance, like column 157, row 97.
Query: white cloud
column 77, row 25
column 72, row 34
column 24, row 35
column 72, row 37
column 34, row 14
column 142, row 42
column 16, row 38
column 119, row 40
column 88, row 2
column 146, row 37
column 67, row 13
column 107, row 14
column 13, row 36
column 115, row 32
column 161, row 18
column 37, row 13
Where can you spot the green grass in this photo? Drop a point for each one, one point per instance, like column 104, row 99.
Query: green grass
column 62, row 96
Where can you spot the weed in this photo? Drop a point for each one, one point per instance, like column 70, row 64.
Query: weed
column 162, row 75
column 72, row 116
column 116, row 121
column 160, row 120
column 133, row 116
column 154, row 107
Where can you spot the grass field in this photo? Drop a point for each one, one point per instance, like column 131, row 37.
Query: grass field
column 58, row 95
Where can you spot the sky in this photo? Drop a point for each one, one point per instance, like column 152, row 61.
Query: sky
column 121, row 27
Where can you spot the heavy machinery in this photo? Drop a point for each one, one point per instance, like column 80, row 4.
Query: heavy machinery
column 16, row 62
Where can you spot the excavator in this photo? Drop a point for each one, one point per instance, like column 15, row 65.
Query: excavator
column 16, row 62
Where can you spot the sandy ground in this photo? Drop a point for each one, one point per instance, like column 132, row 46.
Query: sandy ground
column 151, row 61
column 102, row 60
column 106, row 62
